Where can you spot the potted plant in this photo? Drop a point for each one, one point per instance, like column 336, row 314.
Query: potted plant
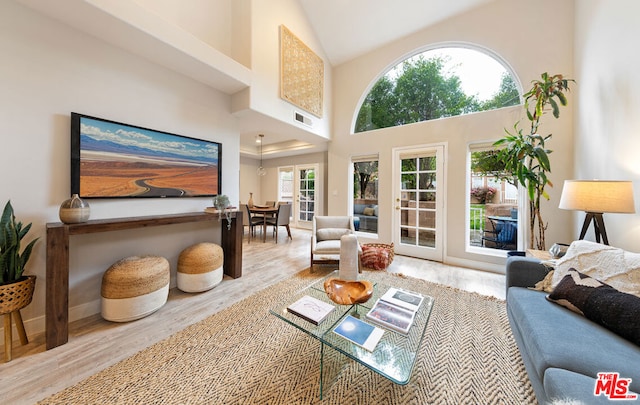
column 221, row 202
column 16, row 290
column 524, row 154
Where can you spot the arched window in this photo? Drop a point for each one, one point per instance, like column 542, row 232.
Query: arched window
column 438, row 83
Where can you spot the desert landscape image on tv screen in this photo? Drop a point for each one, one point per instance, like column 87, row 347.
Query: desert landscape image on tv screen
column 118, row 160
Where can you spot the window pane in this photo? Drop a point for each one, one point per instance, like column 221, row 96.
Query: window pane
column 365, row 194
column 436, row 84
column 493, row 203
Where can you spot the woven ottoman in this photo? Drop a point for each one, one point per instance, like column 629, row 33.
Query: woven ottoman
column 200, row 267
column 134, row 287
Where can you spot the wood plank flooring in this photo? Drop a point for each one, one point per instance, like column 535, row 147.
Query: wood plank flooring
column 94, row 344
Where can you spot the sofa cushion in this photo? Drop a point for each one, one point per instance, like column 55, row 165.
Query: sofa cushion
column 368, row 211
column 331, row 233
column 553, row 336
column 614, row 266
column 328, row 247
column 359, row 208
column 617, row 311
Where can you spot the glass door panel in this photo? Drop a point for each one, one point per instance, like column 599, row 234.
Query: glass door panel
column 419, row 229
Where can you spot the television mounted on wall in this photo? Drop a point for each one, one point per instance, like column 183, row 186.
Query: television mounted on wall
column 115, row 160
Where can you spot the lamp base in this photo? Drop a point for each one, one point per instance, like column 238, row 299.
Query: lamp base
column 598, row 227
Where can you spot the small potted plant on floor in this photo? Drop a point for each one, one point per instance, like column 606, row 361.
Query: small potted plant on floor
column 16, row 289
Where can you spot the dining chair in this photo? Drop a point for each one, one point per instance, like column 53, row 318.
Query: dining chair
column 250, row 220
column 281, row 219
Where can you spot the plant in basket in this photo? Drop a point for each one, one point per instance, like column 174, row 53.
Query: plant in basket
column 16, row 290
column 12, row 261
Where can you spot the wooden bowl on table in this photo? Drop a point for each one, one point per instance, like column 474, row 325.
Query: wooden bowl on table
column 345, row 292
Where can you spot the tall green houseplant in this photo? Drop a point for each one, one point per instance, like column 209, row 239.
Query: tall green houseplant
column 12, row 260
column 525, row 154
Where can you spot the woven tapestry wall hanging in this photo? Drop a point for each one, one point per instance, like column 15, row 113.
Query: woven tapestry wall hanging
column 301, row 73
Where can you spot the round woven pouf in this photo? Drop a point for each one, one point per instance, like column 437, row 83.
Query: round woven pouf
column 200, row 267
column 134, row 287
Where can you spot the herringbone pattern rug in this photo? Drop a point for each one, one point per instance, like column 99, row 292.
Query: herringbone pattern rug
column 244, row 355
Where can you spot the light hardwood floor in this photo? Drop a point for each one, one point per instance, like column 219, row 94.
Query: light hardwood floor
column 94, row 344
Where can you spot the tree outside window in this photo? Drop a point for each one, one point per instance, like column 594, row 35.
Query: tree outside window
column 365, row 195
column 428, row 86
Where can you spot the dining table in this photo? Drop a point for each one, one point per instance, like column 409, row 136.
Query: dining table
column 266, row 212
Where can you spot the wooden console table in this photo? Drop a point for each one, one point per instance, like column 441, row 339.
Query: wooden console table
column 57, row 289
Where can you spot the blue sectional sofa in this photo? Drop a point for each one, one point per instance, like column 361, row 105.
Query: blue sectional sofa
column 368, row 217
column 563, row 352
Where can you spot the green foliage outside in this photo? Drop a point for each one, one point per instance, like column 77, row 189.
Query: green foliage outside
column 423, row 91
column 476, row 222
column 363, row 174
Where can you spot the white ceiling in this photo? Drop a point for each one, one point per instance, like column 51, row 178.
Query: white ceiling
column 347, row 29
column 350, row 28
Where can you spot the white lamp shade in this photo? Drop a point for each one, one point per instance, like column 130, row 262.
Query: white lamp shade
column 598, row 196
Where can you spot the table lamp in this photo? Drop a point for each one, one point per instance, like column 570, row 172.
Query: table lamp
column 596, row 197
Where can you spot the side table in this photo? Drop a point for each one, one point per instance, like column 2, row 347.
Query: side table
column 543, row 255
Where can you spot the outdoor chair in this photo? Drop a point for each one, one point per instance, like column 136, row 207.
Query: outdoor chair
column 502, row 235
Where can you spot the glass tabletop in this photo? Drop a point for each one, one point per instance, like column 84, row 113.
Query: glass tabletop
column 395, row 354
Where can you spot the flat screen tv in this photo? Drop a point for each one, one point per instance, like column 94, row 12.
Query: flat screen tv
column 114, row 160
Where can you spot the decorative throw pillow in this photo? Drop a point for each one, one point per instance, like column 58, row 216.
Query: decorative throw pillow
column 545, row 283
column 599, row 302
column 331, row 233
column 376, row 257
column 614, row 266
column 368, row 211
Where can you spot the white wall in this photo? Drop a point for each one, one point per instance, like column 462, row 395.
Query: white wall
column 250, row 182
column 49, row 70
column 266, row 188
column 519, row 32
column 264, row 94
column 607, row 122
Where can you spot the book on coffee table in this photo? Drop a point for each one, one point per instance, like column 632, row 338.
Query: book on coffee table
column 403, row 298
column 391, row 316
column 311, row 309
column 396, row 309
column 359, row 332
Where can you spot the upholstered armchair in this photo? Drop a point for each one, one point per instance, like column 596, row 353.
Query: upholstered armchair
column 325, row 238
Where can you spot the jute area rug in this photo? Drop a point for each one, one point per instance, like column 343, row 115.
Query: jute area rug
column 244, row 355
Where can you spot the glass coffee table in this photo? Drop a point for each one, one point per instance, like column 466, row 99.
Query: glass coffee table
column 393, row 357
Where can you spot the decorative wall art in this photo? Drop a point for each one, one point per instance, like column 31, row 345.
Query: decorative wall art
column 115, row 160
column 301, row 74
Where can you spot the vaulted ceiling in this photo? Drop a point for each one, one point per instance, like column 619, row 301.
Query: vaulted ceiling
column 350, row 28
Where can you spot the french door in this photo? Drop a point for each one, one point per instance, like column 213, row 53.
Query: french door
column 419, row 201
column 306, row 194
column 300, row 184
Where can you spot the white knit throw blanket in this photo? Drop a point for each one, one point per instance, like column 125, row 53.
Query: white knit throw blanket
column 614, row 266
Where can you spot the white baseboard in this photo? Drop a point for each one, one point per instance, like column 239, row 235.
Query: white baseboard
column 472, row 264
column 36, row 325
